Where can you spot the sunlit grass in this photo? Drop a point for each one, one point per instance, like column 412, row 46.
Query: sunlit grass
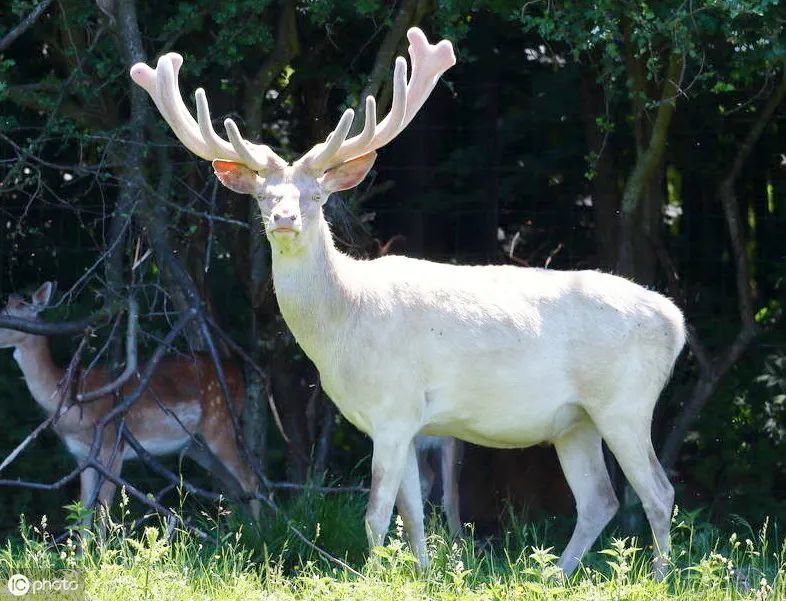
column 241, row 561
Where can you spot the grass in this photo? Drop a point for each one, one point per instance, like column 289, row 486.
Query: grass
column 245, row 562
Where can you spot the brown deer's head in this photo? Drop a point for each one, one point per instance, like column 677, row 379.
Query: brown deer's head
column 19, row 306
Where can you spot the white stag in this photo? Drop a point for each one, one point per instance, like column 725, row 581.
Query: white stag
column 183, row 398
column 495, row 355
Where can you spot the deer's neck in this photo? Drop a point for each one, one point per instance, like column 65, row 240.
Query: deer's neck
column 41, row 374
column 315, row 295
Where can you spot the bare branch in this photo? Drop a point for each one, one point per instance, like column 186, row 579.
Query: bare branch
column 58, row 328
column 142, row 497
column 28, row 439
column 131, row 359
column 229, row 401
column 731, row 208
column 24, row 24
column 148, row 459
column 150, row 368
column 234, row 346
column 57, row 484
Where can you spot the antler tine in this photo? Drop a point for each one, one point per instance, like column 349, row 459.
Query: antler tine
column 393, row 123
column 218, row 147
column 334, row 152
column 166, row 95
column 428, row 63
column 370, row 126
column 327, row 150
column 199, row 136
column 244, row 149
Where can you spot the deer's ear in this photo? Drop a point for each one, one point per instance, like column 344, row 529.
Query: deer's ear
column 349, row 174
column 237, row 177
column 43, row 295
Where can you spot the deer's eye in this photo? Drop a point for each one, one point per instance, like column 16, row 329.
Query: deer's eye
column 316, row 197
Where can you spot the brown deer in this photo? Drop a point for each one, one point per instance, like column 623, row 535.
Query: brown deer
column 184, row 398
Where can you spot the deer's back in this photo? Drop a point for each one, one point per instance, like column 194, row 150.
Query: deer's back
column 184, row 393
column 481, row 349
column 500, row 304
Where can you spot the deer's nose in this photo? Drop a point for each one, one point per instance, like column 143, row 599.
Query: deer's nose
column 285, row 220
column 284, row 216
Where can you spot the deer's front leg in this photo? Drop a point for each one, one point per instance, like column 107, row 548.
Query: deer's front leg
column 409, row 503
column 391, row 450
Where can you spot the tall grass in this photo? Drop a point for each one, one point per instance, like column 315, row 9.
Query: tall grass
column 242, row 561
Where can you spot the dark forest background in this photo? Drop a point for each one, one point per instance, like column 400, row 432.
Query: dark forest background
column 644, row 138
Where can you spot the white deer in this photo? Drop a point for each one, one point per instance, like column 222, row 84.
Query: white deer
column 496, row 355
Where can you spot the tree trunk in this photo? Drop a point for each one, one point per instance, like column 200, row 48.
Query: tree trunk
column 253, row 252
column 639, row 198
column 712, row 369
column 605, row 191
column 380, row 72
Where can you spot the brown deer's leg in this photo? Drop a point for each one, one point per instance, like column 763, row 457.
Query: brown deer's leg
column 222, row 444
column 88, row 481
column 108, row 488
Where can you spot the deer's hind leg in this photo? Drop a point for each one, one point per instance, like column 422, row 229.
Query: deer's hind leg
column 626, row 431
column 580, row 453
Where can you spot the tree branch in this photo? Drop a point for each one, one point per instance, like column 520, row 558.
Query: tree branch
column 131, row 359
column 287, row 47
column 712, row 370
column 731, row 209
column 652, row 155
column 381, row 69
column 24, row 24
column 647, row 163
column 234, row 346
column 28, row 439
column 58, row 328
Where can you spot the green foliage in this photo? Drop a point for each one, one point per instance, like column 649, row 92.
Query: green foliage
column 154, row 562
column 741, row 464
column 749, row 35
column 501, row 143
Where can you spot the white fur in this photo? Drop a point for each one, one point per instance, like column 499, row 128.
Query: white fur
column 496, row 355
column 499, row 356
